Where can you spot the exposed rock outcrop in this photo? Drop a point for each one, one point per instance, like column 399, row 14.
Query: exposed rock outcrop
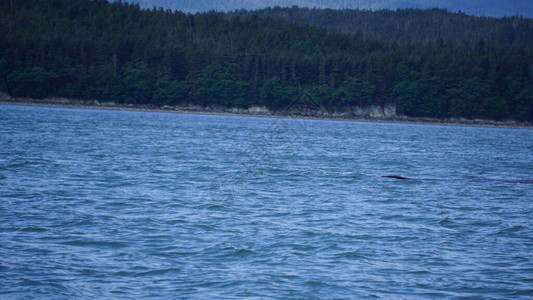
column 378, row 113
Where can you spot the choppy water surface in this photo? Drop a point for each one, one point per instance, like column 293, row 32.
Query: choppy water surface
column 121, row 204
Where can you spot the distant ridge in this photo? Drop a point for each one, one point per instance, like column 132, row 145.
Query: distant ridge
column 490, row 8
column 407, row 25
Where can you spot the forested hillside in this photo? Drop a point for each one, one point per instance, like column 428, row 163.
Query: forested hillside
column 97, row 50
column 408, row 25
column 492, row 8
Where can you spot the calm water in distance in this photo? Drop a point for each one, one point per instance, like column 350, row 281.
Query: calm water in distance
column 129, row 205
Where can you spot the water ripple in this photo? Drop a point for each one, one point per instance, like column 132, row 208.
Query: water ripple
column 114, row 204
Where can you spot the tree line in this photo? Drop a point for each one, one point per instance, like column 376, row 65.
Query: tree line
column 471, row 7
column 117, row 51
column 405, row 26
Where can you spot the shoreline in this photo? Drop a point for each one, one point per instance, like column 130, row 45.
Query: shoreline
column 262, row 113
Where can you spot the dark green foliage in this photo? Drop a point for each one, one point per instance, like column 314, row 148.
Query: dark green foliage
column 275, row 95
column 217, row 86
column 3, row 74
column 138, row 85
column 118, row 52
column 524, row 104
column 354, row 92
column 408, row 25
column 474, row 7
column 169, row 92
column 34, row 82
column 323, row 95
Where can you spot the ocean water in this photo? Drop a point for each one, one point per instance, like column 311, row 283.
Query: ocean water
column 129, row 205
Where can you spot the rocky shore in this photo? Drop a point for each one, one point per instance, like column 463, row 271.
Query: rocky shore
column 386, row 113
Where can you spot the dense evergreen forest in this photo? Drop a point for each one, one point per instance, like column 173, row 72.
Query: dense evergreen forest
column 115, row 51
column 408, row 25
column 492, row 8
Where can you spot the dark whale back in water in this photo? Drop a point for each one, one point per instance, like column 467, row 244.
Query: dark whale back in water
column 396, row 177
column 524, row 181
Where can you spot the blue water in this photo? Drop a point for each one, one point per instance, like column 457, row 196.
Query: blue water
column 128, row 205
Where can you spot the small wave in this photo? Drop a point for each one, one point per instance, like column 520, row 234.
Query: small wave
column 23, row 164
column 95, row 244
column 309, row 233
column 123, row 274
column 393, row 217
column 217, row 207
column 420, row 272
column 523, row 293
column 176, row 221
column 346, row 173
column 479, row 223
column 157, row 272
column 448, row 223
column 47, row 283
column 116, row 203
column 33, row 229
column 304, row 247
column 238, row 253
column 29, row 282
column 206, row 227
column 88, row 272
column 350, row 255
column 510, row 230
column 77, row 222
